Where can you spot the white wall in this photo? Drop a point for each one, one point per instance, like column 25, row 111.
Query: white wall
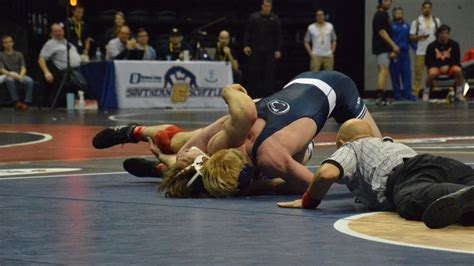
column 456, row 13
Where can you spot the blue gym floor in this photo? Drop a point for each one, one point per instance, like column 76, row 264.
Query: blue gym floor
column 102, row 215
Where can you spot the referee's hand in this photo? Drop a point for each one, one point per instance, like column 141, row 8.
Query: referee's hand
column 296, row 204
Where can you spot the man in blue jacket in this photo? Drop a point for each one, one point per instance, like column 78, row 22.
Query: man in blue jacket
column 400, row 64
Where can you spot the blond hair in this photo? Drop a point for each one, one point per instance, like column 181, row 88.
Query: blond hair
column 175, row 181
column 221, row 172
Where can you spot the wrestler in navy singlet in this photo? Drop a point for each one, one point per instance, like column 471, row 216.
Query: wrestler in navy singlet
column 317, row 95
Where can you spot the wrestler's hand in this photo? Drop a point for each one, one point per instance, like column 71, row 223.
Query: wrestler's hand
column 237, row 87
column 296, row 204
column 154, row 149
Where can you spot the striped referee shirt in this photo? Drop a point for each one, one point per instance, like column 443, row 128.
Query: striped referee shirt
column 365, row 165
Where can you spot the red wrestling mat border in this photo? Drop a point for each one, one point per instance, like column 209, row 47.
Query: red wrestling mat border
column 69, row 143
column 73, row 143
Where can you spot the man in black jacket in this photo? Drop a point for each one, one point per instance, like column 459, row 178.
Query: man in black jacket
column 262, row 43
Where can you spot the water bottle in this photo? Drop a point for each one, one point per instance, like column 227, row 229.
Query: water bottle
column 98, row 55
column 70, row 101
column 450, row 97
column 82, row 102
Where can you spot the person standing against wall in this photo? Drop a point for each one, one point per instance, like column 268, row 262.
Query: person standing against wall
column 400, row 65
column 262, row 43
column 382, row 46
column 322, row 37
column 422, row 32
column 78, row 31
column 112, row 32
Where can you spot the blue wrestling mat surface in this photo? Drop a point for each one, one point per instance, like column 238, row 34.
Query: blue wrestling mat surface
column 90, row 212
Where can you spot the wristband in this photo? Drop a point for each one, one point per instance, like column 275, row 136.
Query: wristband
column 308, row 202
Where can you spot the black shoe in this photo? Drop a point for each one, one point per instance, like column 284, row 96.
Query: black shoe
column 141, row 167
column 448, row 209
column 467, row 219
column 114, row 135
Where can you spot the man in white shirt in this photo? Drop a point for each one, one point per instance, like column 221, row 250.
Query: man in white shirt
column 422, row 31
column 119, row 47
column 54, row 50
column 322, row 37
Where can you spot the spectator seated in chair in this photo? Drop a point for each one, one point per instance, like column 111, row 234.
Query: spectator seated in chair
column 54, row 51
column 142, row 44
column 443, row 58
column 174, row 48
column 122, row 47
column 225, row 53
column 12, row 66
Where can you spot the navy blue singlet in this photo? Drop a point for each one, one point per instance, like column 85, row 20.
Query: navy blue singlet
column 317, row 95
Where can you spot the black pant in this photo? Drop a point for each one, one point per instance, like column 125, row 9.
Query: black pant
column 75, row 82
column 261, row 73
column 415, row 184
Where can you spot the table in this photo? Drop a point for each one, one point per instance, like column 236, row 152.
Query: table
column 152, row 84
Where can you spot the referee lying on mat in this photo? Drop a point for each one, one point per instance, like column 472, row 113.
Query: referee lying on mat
column 389, row 176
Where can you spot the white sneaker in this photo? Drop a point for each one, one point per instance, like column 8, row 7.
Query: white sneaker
column 459, row 97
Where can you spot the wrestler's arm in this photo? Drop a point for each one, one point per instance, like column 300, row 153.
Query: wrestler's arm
column 168, row 159
column 278, row 164
column 242, row 116
column 324, row 177
column 270, row 186
column 375, row 129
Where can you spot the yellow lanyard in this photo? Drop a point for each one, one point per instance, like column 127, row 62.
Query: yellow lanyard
column 172, row 49
column 77, row 28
